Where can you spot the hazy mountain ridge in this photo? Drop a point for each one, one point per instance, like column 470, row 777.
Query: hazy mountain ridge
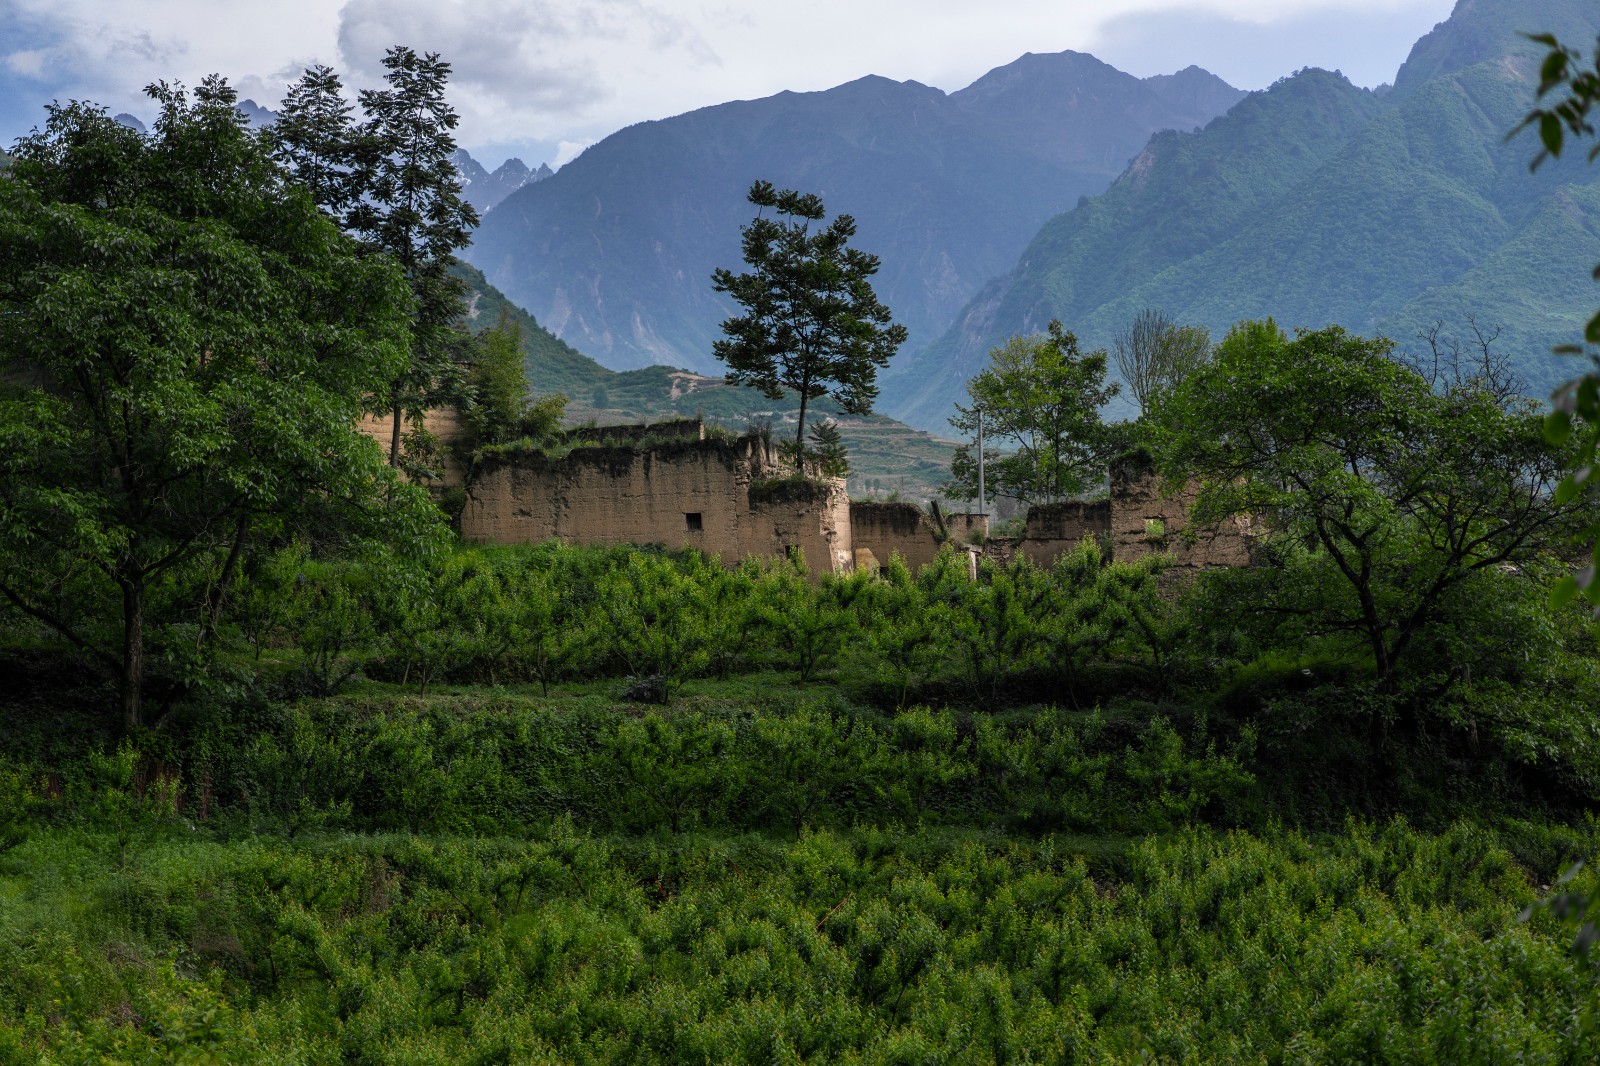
column 614, row 253
column 1317, row 202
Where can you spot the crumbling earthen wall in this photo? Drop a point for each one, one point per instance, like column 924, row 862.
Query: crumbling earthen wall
column 1054, row 529
column 1146, row 518
column 687, row 493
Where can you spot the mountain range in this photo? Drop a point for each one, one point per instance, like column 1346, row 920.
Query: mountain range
column 1318, row 202
column 615, row 251
column 1057, row 187
column 484, row 189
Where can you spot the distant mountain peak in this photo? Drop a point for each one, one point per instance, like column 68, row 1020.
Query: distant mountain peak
column 259, row 116
column 485, row 190
column 1483, row 30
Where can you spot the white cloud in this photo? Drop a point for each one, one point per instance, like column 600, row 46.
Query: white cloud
column 567, row 151
column 543, row 73
column 527, row 69
column 28, row 63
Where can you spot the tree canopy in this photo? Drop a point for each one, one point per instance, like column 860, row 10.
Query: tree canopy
column 1040, row 397
column 1403, row 483
column 390, row 181
column 811, row 321
column 185, row 344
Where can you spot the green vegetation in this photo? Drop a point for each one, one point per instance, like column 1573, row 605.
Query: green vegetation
column 1041, row 398
column 811, row 324
column 336, row 794
column 1407, row 486
column 181, row 362
column 1041, row 813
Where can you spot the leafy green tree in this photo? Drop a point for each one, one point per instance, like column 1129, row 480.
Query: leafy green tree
column 1577, row 402
column 1041, row 397
column 811, row 321
column 1404, row 486
column 1096, row 605
column 499, row 383
column 657, row 618
column 906, row 635
column 411, row 207
column 185, row 342
column 806, row 622
column 1155, row 353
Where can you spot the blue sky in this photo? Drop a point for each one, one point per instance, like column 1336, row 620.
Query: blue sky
column 542, row 79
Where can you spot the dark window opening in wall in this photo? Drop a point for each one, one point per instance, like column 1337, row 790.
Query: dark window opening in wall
column 692, row 521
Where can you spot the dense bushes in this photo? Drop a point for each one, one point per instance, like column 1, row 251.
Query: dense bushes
column 1380, row 944
column 547, row 613
column 498, row 765
column 630, row 806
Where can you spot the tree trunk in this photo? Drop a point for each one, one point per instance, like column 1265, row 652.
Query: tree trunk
column 394, row 437
column 132, row 654
column 218, row 594
column 800, row 436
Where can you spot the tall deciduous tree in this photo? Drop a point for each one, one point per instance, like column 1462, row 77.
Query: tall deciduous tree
column 1155, row 353
column 411, row 207
column 185, row 342
column 1040, row 398
column 1405, row 484
column 811, row 321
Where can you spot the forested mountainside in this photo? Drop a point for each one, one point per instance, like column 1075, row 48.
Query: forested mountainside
column 1318, row 202
column 614, row 253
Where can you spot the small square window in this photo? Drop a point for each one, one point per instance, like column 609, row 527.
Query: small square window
column 692, row 521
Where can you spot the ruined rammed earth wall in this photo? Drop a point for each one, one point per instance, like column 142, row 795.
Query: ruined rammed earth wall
column 1140, row 517
column 689, row 493
column 1146, row 518
column 886, row 529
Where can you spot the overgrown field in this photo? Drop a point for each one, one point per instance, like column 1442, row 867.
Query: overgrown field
column 561, row 805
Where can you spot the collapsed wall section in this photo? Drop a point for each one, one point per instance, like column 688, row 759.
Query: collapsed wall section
column 883, row 529
column 1055, row 529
